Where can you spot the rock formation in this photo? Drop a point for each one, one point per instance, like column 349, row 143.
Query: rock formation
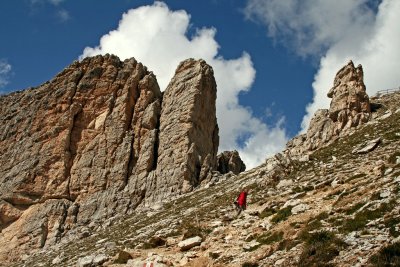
column 230, row 161
column 349, row 108
column 96, row 141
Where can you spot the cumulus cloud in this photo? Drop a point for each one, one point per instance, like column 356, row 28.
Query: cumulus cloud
column 335, row 32
column 5, row 71
column 157, row 37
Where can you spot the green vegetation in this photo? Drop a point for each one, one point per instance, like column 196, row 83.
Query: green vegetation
column 363, row 217
column 354, row 208
column 270, row 238
column 190, row 230
column 387, row 256
column 391, row 223
column 282, row 215
column 154, row 242
column 213, row 255
column 320, row 248
column 356, row 176
column 266, row 213
column 250, row 264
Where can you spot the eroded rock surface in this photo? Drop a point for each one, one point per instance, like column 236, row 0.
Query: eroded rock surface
column 230, row 161
column 96, row 141
column 349, row 108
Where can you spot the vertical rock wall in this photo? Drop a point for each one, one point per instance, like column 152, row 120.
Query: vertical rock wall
column 96, row 141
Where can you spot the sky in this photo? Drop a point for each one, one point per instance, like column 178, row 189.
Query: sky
column 274, row 60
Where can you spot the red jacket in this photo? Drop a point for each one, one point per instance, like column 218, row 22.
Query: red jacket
column 241, row 200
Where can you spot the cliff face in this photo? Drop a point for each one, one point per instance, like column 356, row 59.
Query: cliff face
column 97, row 140
column 339, row 208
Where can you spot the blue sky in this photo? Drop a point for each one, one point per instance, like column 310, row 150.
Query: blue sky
column 274, row 60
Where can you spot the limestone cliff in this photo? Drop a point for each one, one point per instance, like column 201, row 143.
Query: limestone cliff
column 98, row 140
column 349, row 108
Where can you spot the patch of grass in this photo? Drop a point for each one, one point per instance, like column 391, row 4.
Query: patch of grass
column 391, row 223
column 356, row 176
column 297, row 189
column 376, row 196
column 270, row 238
column 266, row 213
column 354, row 208
column 387, row 256
column 154, row 242
column 213, row 255
column 282, row 215
column 362, row 218
column 320, row 248
column 250, row 264
column 287, row 244
column 322, row 216
column 189, row 230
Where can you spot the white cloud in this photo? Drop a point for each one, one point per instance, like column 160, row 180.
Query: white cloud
column 336, row 32
column 63, row 15
column 157, row 37
column 5, row 71
column 53, row 2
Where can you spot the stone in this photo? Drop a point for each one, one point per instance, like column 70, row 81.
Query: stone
column 100, row 259
column 230, row 161
column 189, row 243
column 284, row 183
column 85, row 261
column 250, row 245
column 385, row 193
column 300, row 208
column 367, row 147
column 122, row 257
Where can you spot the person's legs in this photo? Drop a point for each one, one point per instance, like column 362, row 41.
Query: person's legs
column 239, row 209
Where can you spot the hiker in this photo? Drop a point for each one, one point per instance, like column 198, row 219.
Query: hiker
column 240, row 202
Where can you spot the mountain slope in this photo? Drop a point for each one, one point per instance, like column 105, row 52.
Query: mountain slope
column 337, row 209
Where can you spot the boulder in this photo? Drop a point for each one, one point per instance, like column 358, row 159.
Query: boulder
column 189, row 243
column 230, row 161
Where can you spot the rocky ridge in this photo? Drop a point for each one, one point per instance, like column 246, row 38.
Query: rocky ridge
column 338, row 208
column 98, row 141
column 334, row 207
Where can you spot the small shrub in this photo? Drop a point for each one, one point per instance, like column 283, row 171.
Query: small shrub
column 213, row 255
column 266, row 213
column 358, row 175
column 189, row 230
column 320, row 248
column 391, row 223
column 287, row 244
column 362, row 218
column 250, row 264
column 387, row 256
column 155, row 241
column 354, row 208
column 282, row 215
column 270, row 238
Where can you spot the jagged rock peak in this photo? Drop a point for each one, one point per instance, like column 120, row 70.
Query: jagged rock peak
column 230, row 161
column 350, row 101
column 188, row 128
column 349, row 108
